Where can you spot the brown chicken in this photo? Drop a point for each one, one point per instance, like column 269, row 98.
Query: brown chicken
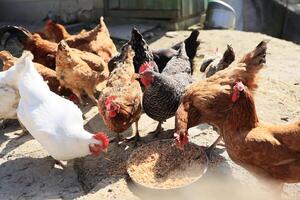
column 270, row 151
column 96, row 41
column 200, row 100
column 48, row 75
column 44, row 51
column 79, row 71
column 54, row 32
column 120, row 102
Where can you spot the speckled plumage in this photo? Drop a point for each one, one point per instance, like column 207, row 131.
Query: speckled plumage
column 162, row 98
column 142, row 52
column 126, row 90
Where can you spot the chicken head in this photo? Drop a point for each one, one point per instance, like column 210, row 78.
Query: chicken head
column 101, row 145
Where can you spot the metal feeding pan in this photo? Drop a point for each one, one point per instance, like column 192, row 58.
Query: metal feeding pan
column 219, row 15
column 160, row 165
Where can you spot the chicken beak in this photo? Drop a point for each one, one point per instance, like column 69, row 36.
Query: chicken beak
column 138, row 76
column 135, row 76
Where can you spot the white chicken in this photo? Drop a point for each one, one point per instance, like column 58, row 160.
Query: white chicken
column 56, row 123
column 9, row 95
column 9, row 99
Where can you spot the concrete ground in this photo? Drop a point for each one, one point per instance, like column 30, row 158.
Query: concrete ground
column 26, row 173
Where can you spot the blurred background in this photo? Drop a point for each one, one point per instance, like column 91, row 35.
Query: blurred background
column 278, row 18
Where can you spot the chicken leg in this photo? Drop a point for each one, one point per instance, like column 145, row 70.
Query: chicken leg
column 78, row 95
column 61, row 164
column 90, row 93
column 24, row 130
column 116, row 139
column 4, row 123
column 136, row 137
column 158, row 130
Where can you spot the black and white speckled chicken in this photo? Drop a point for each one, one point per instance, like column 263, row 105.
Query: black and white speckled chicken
column 143, row 54
column 164, row 90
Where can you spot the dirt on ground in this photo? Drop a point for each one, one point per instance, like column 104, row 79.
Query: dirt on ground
column 26, row 170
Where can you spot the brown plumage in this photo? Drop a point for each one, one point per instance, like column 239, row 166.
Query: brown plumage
column 79, row 71
column 96, row 41
column 54, row 32
column 120, row 102
column 48, row 75
column 269, row 150
column 7, row 59
column 44, row 51
column 200, row 100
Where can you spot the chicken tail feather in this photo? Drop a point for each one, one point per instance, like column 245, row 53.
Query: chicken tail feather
column 182, row 51
column 191, row 44
column 14, row 31
column 229, row 55
column 257, row 56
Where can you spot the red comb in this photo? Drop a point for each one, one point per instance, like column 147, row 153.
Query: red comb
column 103, row 138
column 109, row 100
column 239, row 86
column 144, row 67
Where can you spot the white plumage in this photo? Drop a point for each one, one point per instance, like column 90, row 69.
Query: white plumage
column 56, row 123
column 9, row 95
column 9, row 99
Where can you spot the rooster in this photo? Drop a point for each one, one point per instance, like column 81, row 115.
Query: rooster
column 212, row 65
column 96, row 41
column 120, row 102
column 163, row 91
column 79, row 71
column 56, row 123
column 200, row 98
column 44, row 51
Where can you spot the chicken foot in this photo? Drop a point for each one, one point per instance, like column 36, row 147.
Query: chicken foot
column 4, row 123
column 61, row 164
column 24, row 130
column 116, row 139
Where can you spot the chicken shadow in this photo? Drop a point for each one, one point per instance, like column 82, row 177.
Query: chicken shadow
column 112, row 166
column 35, row 178
column 13, row 143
